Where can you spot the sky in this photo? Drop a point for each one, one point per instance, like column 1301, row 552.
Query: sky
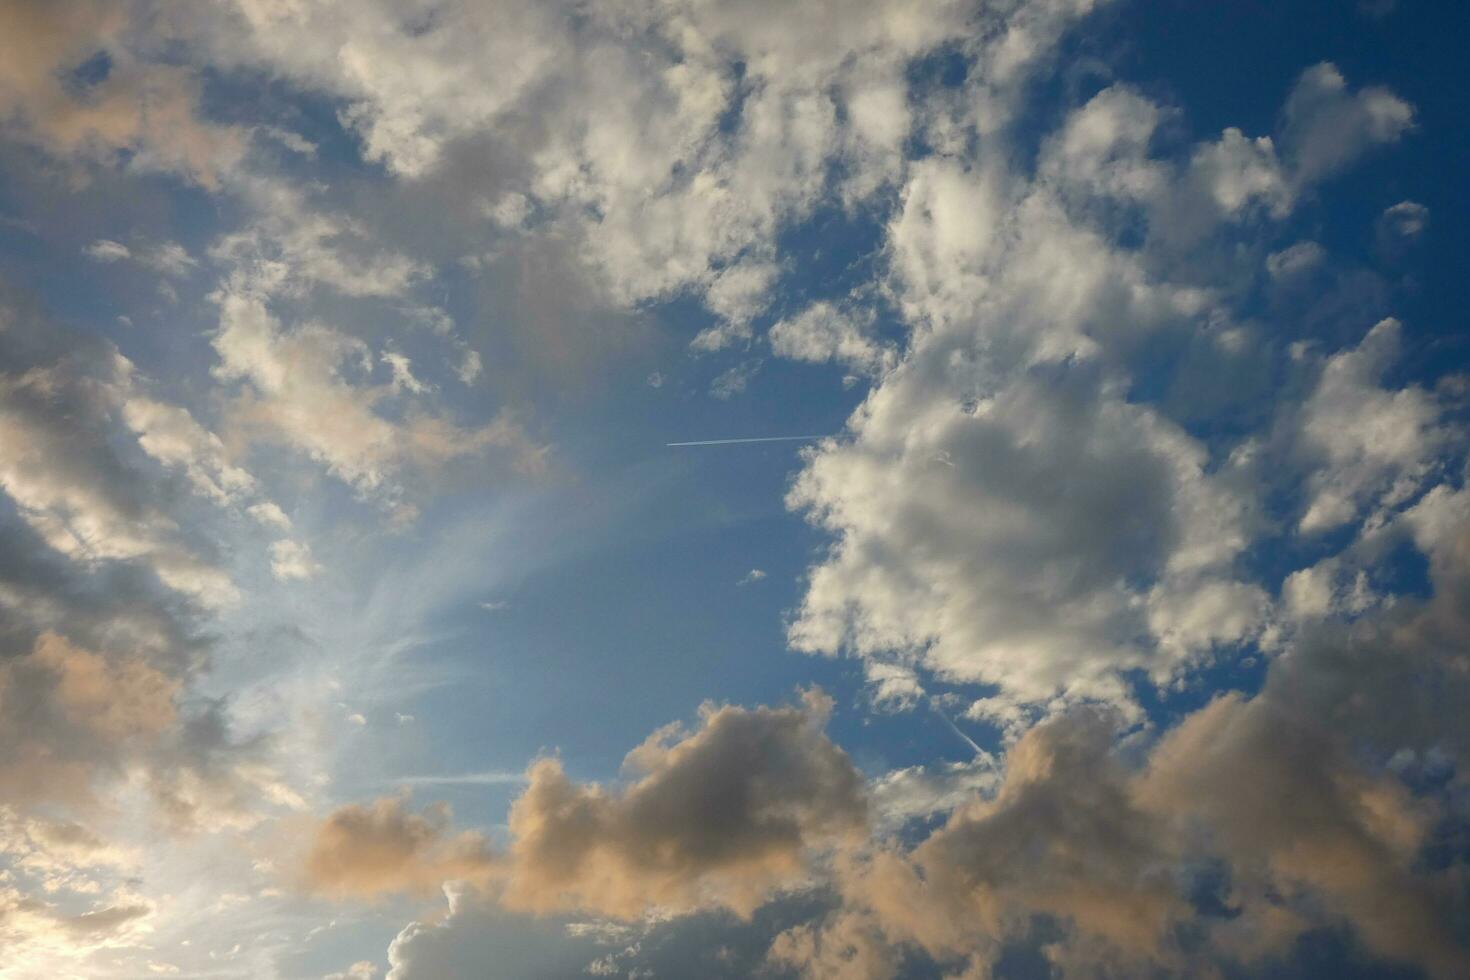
column 832, row 490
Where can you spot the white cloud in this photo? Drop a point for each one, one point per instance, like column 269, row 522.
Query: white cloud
column 1325, row 126
column 734, row 380
column 106, row 250
column 737, row 295
column 1297, row 260
column 469, row 368
column 292, row 560
column 674, row 167
column 1400, row 226
column 292, row 246
column 168, row 258
column 170, row 435
column 142, row 111
column 1407, row 219
column 403, row 377
column 1027, row 539
column 270, row 515
column 300, row 391
column 1372, row 446
column 823, row 332
column 70, row 485
column 1001, row 512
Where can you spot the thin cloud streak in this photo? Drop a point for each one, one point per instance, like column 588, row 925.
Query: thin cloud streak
column 979, row 752
column 463, row 779
column 732, row 442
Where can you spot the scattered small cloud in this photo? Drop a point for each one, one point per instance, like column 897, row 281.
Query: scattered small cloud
column 106, row 250
column 733, row 381
column 292, row 560
column 269, row 514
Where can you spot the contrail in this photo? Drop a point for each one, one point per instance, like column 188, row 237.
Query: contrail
column 463, row 779
column 732, row 442
column 981, row 753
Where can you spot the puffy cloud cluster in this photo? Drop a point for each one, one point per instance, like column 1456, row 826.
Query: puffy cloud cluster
column 1366, row 445
column 1216, row 844
column 1006, row 507
column 672, row 141
column 368, row 850
column 722, row 816
column 57, row 402
column 74, row 84
column 310, row 385
column 298, row 390
column 39, row 934
column 1056, row 487
column 1316, row 803
column 1208, row 848
column 1249, row 823
column 1006, row 541
column 823, row 332
column 104, row 582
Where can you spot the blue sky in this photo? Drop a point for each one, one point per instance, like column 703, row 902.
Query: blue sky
column 360, row 621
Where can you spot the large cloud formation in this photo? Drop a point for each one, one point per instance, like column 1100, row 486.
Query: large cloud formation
column 721, row 815
column 1221, row 841
column 718, row 817
column 103, row 590
column 1106, row 374
column 1252, row 821
column 1007, row 510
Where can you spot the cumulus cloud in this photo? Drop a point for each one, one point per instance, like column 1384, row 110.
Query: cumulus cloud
column 76, row 86
column 66, row 479
column 38, row 935
column 1214, row 845
column 1297, row 260
column 301, row 392
column 104, row 587
column 170, row 435
column 1288, row 806
column 168, row 258
column 292, row 560
column 1325, row 126
column 671, row 143
column 733, row 381
column 1103, row 152
column 1034, row 499
column 721, row 816
column 1400, row 226
column 70, row 714
column 998, row 539
column 310, row 385
column 105, row 250
column 1376, row 446
column 367, row 850
column 270, row 514
column 59, row 847
column 975, row 531
column 823, row 332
